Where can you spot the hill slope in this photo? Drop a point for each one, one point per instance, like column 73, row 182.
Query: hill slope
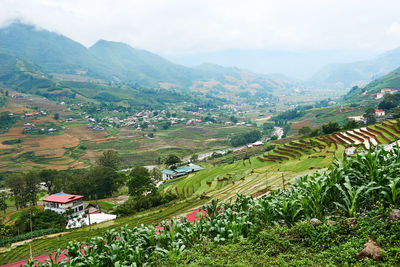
column 390, row 80
column 111, row 61
column 343, row 76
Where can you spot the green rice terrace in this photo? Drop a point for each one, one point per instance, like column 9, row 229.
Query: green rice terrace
column 240, row 174
column 259, row 174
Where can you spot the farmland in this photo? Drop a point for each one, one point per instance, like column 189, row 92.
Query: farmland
column 76, row 144
column 251, row 176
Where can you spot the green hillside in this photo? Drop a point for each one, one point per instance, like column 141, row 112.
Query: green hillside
column 343, row 76
column 25, row 77
column 115, row 62
column 391, row 80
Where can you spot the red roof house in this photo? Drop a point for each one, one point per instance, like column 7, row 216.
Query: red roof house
column 61, row 202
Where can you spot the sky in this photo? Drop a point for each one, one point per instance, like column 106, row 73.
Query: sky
column 198, row 26
column 185, row 27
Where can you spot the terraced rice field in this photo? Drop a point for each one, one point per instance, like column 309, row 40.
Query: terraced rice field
column 285, row 162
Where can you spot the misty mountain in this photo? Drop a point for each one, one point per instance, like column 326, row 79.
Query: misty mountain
column 390, row 80
column 118, row 62
column 301, row 65
column 344, row 76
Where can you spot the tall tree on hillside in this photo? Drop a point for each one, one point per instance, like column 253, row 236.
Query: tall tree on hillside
column 172, row 159
column 305, row 131
column 369, row 116
column 110, row 158
column 48, row 177
column 3, row 201
column 139, row 181
column 330, row 127
column 16, row 183
column 104, row 180
column 32, row 181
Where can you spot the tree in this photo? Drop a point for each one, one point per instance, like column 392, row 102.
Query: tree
column 172, row 159
column 305, row 131
column 351, row 124
column 3, row 201
column 389, row 101
column 330, row 127
column 194, row 158
column 110, row 158
column 233, row 119
column 16, row 183
column 56, row 116
column 369, row 116
column 41, row 219
column 104, row 181
column 32, row 181
column 139, row 181
column 48, row 177
column 155, row 174
column 315, row 132
column 245, row 138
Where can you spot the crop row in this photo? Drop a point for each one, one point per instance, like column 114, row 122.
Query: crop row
column 352, row 187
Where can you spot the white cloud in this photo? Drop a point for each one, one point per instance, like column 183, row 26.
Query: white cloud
column 182, row 26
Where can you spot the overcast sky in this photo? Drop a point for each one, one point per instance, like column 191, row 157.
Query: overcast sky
column 195, row 26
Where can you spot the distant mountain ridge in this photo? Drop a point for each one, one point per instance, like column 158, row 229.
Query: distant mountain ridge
column 120, row 63
column 390, row 80
column 344, row 76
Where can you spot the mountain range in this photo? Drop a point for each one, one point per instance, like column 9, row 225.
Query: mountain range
column 115, row 62
column 344, row 76
column 50, row 53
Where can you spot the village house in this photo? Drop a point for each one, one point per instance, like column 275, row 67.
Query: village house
column 82, row 213
column 61, row 202
column 171, row 174
column 356, row 118
column 379, row 112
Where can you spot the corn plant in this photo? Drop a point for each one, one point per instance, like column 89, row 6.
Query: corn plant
column 391, row 192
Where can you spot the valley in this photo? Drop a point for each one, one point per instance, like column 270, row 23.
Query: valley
column 112, row 155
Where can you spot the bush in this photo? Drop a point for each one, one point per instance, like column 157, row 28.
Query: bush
column 12, row 142
column 36, row 233
column 141, row 203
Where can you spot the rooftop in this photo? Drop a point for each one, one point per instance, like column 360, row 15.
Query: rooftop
column 62, row 198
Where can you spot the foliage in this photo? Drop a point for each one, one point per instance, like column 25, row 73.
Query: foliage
column 41, row 219
column 6, row 121
column 305, row 131
column 172, row 159
column 289, row 115
column 97, row 182
column 12, row 141
column 330, row 127
column 139, row 181
column 24, row 187
column 352, row 184
column 141, row 202
column 3, row 201
column 351, row 124
column 245, row 138
column 369, row 116
column 110, row 158
column 25, row 236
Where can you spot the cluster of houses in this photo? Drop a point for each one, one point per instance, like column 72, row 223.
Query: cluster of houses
column 379, row 113
column 79, row 212
column 174, row 173
column 386, row 91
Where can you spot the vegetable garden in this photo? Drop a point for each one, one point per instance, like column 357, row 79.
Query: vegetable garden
column 351, row 188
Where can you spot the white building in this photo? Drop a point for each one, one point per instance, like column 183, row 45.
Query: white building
column 61, row 202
